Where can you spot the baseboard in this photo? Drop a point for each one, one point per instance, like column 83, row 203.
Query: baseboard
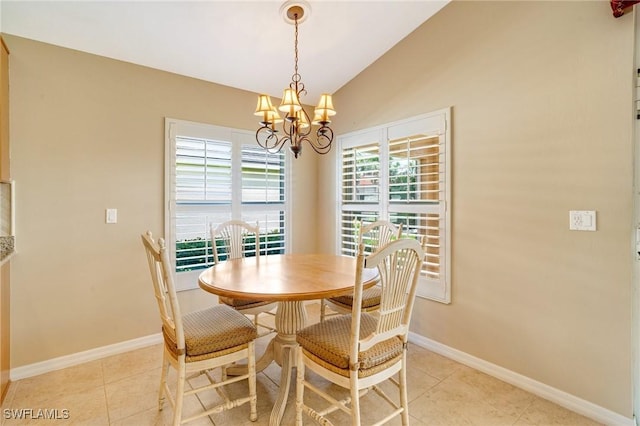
column 81, row 357
column 86, row 356
column 571, row 402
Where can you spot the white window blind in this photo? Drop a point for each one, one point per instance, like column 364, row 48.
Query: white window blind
column 215, row 174
column 417, row 194
column 360, row 191
column 400, row 172
column 203, row 170
column 263, row 196
column 202, row 179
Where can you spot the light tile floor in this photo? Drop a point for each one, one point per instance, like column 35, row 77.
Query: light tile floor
column 123, row 390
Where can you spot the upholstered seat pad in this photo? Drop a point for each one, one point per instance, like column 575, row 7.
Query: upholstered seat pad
column 329, row 341
column 212, row 330
column 370, row 298
column 243, row 303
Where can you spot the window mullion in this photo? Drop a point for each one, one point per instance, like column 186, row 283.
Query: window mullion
column 236, row 180
column 170, row 187
column 384, row 175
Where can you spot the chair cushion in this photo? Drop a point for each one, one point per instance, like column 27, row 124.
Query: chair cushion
column 243, row 303
column 329, row 340
column 370, row 298
column 219, row 328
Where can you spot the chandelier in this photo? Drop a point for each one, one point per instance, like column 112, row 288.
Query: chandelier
column 296, row 126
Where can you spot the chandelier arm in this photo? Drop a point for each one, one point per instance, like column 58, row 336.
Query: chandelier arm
column 292, row 128
column 324, row 133
column 297, row 85
column 322, row 143
column 318, row 148
column 306, row 132
column 288, row 127
column 270, row 141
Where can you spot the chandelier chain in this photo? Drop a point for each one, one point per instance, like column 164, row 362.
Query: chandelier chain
column 295, row 48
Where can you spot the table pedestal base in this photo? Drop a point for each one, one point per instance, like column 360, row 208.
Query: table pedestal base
column 291, row 316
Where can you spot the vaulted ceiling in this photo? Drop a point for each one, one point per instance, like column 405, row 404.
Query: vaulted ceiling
column 242, row 44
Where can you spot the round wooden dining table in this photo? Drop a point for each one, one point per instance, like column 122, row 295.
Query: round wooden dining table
column 289, row 279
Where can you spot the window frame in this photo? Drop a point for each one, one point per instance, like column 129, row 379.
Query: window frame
column 433, row 124
column 237, row 138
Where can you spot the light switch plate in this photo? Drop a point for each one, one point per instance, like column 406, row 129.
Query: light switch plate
column 582, row 220
column 111, row 216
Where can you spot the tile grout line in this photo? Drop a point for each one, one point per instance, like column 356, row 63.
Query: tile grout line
column 104, row 391
column 524, row 410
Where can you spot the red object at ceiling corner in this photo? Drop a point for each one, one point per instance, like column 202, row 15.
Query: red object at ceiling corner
column 619, row 6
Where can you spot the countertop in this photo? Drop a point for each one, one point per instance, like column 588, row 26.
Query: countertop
column 7, row 247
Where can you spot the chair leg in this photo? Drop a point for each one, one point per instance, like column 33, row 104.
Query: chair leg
column 223, row 373
column 182, row 378
column 256, row 322
column 251, row 365
column 323, row 307
column 163, row 380
column 355, row 399
column 299, row 387
column 404, row 398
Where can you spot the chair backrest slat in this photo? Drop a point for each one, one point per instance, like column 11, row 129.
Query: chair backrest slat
column 398, row 263
column 377, row 234
column 164, row 288
column 234, row 235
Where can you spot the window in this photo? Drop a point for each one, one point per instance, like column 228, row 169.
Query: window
column 401, row 172
column 214, row 174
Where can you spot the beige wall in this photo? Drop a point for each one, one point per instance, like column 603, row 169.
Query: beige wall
column 541, row 96
column 87, row 134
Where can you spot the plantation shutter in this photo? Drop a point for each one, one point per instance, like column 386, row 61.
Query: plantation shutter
column 418, row 194
column 263, row 196
column 360, row 188
column 214, row 174
column 202, row 179
column 401, row 172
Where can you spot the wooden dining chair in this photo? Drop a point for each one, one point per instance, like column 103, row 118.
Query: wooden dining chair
column 372, row 236
column 360, row 350
column 198, row 342
column 232, row 240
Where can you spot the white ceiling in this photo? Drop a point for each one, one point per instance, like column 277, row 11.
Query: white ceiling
column 243, row 44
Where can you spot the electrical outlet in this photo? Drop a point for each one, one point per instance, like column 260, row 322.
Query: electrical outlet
column 575, row 220
column 582, row 220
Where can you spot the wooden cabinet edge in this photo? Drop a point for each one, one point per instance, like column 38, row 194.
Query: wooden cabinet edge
column 4, row 266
